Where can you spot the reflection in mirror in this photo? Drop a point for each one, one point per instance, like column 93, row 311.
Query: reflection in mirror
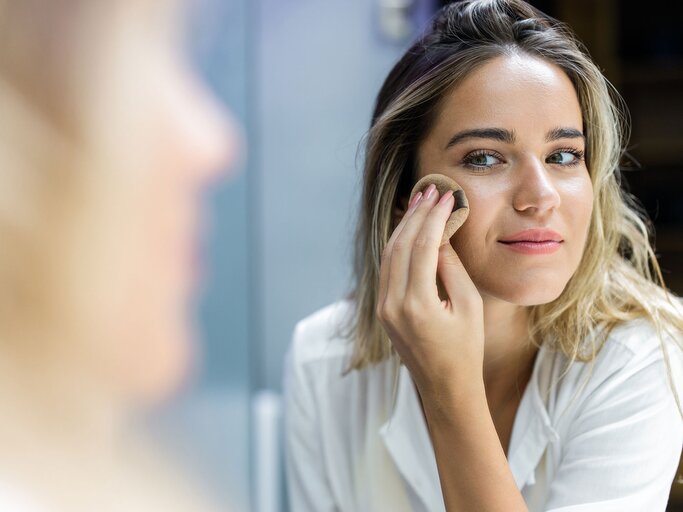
column 494, row 371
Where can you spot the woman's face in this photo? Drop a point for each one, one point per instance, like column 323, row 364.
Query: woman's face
column 511, row 134
column 174, row 141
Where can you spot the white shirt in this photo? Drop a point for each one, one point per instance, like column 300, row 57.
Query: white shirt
column 605, row 437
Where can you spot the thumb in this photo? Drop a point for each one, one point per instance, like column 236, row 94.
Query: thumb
column 455, row 279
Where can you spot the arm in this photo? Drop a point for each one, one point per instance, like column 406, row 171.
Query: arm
column 448, row 372
column 307, row 485
column 473, row 470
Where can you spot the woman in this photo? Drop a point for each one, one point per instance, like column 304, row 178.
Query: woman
column 537, row 346
column 107, row 141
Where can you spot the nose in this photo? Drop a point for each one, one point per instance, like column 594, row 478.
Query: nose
column 535, row 191
column 212, row 137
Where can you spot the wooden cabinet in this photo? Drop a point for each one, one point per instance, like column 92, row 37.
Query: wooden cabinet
column 640, row 51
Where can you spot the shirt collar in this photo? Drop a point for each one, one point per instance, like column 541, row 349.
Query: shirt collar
column 407, row 439
column 406, row 436
column 532, row 429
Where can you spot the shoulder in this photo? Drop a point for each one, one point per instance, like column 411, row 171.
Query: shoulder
column 631, row 343
column 317, row 373
column 635, row 368
column 637, row 344
column 320, row 335
column 639, row 337
column 618, row 431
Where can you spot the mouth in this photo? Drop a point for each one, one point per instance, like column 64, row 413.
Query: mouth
column 534, row 235
column 533, row 246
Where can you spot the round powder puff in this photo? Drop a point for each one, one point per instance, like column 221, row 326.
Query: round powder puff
column 461, row 209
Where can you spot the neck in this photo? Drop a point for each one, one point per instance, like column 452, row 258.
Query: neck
column 508, row 355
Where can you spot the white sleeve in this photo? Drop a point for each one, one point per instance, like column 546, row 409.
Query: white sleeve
column 307, row 484
column 623, row 447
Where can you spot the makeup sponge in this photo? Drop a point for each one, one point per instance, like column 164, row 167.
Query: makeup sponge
column 461, row 209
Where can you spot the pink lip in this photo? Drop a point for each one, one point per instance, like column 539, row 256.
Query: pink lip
column 547, row 247
column 534, row 241
column 534, row 235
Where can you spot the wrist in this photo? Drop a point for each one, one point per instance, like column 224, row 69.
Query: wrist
column 452, row 398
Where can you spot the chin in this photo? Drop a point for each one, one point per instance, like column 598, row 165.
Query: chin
column 162, row 371
column 525, row 295
column 538, row 297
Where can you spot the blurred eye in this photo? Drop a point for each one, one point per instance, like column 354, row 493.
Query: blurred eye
column 565, row 157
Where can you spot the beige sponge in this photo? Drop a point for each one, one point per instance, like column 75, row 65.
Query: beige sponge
column 461, row 209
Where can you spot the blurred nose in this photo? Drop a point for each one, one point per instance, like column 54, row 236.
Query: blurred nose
column 535, row 191
column 212, row 138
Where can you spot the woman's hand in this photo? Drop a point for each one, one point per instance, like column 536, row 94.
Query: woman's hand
column 440, row 341
column 442, row 344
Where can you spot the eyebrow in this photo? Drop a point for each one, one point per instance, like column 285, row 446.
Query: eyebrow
column 508, row 136
column 482, row 133
column 564, row 133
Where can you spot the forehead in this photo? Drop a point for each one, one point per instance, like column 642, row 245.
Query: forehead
column 518, row 92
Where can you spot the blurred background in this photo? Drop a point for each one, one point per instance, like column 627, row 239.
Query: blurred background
column 301, row 77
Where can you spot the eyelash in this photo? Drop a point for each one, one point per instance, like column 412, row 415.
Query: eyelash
column 578, row 155
column 467, row 160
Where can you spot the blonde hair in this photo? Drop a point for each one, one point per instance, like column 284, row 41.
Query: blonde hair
column 618, row 278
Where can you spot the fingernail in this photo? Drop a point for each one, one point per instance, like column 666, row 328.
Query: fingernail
column 446, row 197
column 430, row 191
column 415, row 200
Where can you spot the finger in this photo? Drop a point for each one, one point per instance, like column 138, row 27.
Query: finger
column 456, row 281
column 425, row 252
column 386, row 253
column 403, row 245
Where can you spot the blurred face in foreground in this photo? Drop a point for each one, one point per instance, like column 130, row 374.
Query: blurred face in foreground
column 169, row 140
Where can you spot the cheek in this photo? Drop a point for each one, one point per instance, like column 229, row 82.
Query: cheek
column 471, row 240
column 157, row 365
column 485, row 200
column 165, row 281
column 499, row 274
column 154, row 275
column 153, row 349
column 577, row 209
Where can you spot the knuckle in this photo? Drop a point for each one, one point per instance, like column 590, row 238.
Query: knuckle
column 423, row 242
column 411, row 307
column 420, row 242
column 414, row 313
column 399, row 245
column 385, row 312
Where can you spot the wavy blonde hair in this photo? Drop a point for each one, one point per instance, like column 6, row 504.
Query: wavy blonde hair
column 618, row 278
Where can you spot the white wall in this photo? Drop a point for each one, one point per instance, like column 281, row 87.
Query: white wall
column 319, row 66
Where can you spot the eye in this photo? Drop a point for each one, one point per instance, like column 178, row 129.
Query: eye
column 481, row 160
column 566, row 157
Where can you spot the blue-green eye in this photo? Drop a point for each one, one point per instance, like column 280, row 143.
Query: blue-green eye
column 565, row 157
column 480, row 160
